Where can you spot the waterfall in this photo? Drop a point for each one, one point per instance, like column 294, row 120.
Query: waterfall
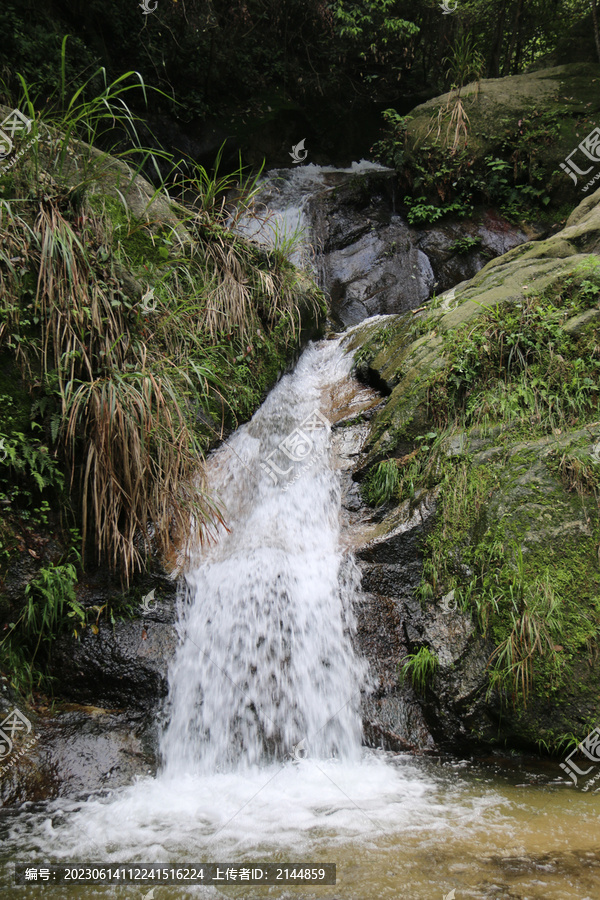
column 266, row 668
column 280, row 216
column 261, row 750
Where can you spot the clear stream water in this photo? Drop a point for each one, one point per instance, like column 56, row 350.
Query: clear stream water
column 262, row 755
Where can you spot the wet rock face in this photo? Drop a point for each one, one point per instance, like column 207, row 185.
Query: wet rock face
column 78, row 750
column 458, row 250
column 368, row 262
column 392, row 713
column 393, row 624
column 124, row 665
column 454, row 705
column 388, row 558
column 371, row 262
column 85, row 749
column 116, row 680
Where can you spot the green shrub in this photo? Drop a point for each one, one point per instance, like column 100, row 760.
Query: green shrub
column 118, row 375
column 382, row 483
column 419, row 668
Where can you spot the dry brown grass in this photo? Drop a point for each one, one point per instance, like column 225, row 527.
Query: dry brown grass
column 133, row 460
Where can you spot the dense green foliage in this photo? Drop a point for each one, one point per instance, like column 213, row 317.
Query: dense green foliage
column 253, row 58
column 518, row 364
column 446, row 177
column 518, row 380
column 135, row 331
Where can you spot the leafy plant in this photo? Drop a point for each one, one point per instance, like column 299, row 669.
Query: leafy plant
column 422, row 213
column 47, row 598
column 419, row 668
column 465, row 244
column 382, row 483
column 68, row 131
column 390, row 149
column 464, row 61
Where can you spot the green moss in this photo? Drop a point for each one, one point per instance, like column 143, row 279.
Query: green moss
column 511, row 386
column 519, row 129
column 518, row 363
column 132, row 237
column 383, row 349
column 535, row 599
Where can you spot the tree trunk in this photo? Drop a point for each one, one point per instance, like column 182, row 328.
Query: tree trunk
column 515, row 37
column 595, row 20
column 494, row 64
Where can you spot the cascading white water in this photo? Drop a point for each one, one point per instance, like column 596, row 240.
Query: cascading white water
column 266, row 662
column 281, row 217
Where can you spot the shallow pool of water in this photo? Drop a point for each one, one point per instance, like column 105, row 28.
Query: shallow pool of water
column 395, row 826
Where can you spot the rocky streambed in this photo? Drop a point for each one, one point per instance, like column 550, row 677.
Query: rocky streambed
column 113, row 683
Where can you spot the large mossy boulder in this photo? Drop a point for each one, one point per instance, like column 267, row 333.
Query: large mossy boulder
column 493, row 416
column 502, row 139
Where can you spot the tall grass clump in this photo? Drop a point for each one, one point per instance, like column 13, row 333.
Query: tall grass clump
column 382, row 483
column 419, row 668
column 117, row 418
column 517, row 364
column 133, row 317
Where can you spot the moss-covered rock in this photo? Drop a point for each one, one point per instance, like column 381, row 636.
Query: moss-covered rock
column 492, row 411
column 498, row 140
